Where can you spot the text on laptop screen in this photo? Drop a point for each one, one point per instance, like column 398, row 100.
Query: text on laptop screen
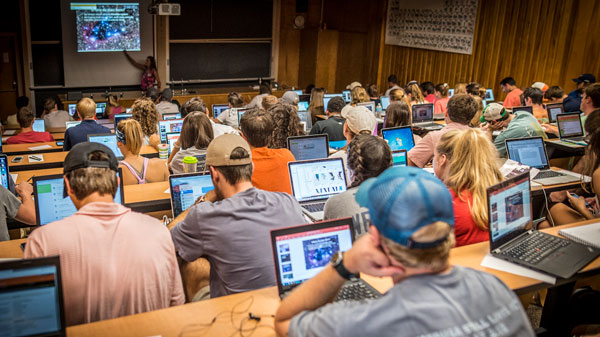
column 72, row 124
column 385, row 102
column 304, row 148
column 121, row 117
column 172, row 138
column 110, row 140
column 528, row 152
column 39, row 125
column 303, row 106
column 169, row 116
column 569, row 125
column 218, row 109
column 30, row 300
column 399, row 158
column 553, row 110
column 422, row 112
column 509, row 208
column 185, row 190
column 72, row 109
column 4, row 171
column 399, row 138
column 303, row 255
column 347, row 96
column 172, row 125
column 317, row 179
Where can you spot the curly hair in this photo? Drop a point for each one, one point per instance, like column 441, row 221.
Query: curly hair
column 144, row 111
column 286, row 122
column 368, row 156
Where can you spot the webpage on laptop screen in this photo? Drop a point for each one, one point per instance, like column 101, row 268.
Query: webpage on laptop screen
column 317, row 180
column 570, row 125
column 172, row 125
column 186, row 190
column 399, row 158
column 509, row 209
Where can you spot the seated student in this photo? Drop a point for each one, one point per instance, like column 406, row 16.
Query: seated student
column 230, row 226
column 521, row 124
column 555, row 94
column 263, row 90
column 399, row 94
column 398, row 114
column 466, row 162
column 114, row 261
column 316, row 107
column 573, row 100
column 334, row 124
column 392, row 84
column 410, row 241
column 286, row 124
column 476, row 120
column 413, row 91
column 230, row 116
column 373, row 93
column 26, row 118
column 461, row 109
column 113, row 107
column 513, row 93
column 428, row 89
column 368, row 156
column 534, row 98
column 196, row 134
column 143, row 110
column 289, row 97
column 164, row 105
column 197, row 104
column 54, row 118
column 269, row 101
column 460, row 88
column 590, row 102
column 11, row 207
column 441, row 98
column 137, row 169
column 86, row 109
column 359, row 95
column 473, row 89
column 270, row 172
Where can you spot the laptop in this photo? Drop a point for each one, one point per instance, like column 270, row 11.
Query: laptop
column 509, row 214
column 4, row 171
column 187, row 188
column 304, row 98
column 309, row 147
column 301, row 252
column 100, row 107
column 217, row 109
column 240, row 113
column 121, row 117
column 315, row 181
column 306, row 119
column 570, row 129
column 523, row 108
column 532, row 152
column 172, row 115
column 171, row 125
column 298, row 92
column 489, row 96
column 303, row 106
column 32, row 297
column 399, row 158
column 553, row 110
column 172, row 138
column 71, row 124
column 347, row 96
column 399, row 138
column 52, row 202
column 368, row 105
column 72, row 109
column 450, row 92
column 423, row 117
column 128, row 110
column 108, row 139
column 39, row 125
column 385, row 102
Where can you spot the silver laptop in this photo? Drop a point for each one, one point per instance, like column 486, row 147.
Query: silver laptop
column 553, row 110
column 532, row 152
column 370, row 106
column 423, row 117
column 108, row 139
column 528, row 109
column 187, row 188
column 309, row 147
column 570, row 129
column 315, row 181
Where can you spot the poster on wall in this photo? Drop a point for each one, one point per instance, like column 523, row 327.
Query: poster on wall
column 446, row 25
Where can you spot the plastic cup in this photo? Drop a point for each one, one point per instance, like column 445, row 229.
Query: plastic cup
column 163, row 151
column 190, row 164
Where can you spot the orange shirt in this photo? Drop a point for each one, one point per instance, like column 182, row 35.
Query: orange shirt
column 440, row 106
column 270, row 169
column 513, row 98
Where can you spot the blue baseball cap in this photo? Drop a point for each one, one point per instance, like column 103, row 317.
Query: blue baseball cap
column 403, row 200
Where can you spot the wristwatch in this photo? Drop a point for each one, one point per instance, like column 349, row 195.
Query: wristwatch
column 337, row 261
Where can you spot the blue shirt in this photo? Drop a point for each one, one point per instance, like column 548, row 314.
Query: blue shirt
column 79, row 133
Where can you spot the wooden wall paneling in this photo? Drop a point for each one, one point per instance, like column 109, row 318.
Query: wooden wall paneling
column 308, row 57
column 327, row 58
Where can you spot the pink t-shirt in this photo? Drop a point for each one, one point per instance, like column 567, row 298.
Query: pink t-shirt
column 513, row 98
column 30, row 137
column 114, row 262
column 440, row 106
column 430, row 98
column 422, row 153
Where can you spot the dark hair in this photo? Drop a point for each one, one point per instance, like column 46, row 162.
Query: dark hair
column 309, row 89
column 398, row 114
column 372, row 90
column 264, row 88
column 235, row 99
column 286, row 123
column 152, row 93
column 196, row 131
column 49, row 103
column 427, row 87
column 22, row 101
column 536, row 95
column 152, row 62
column 368, row 156
column 442, row 88
column 193, row 104
column 25, row 117
column 239, row 173
column 257, row 126
column 508, row 80
column 473, row 88
column 336, row 104
column 462, row 108
column 166, row 95
column 393, row 79
column 593, row 91
column 592, row 152
column 85, row 181
column 554, row 92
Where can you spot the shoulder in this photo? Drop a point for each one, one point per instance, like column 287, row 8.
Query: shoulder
column 285, row 154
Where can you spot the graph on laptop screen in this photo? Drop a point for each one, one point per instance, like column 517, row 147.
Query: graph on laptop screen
column 529, row 151
column 399, row 138
column 187, row 188
column 313, row 180
column 509, row 207
column 171, row 125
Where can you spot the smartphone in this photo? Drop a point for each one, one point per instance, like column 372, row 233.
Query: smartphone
column 23, row 246
column 587, row 205
column 59, row 143
column 17, row 159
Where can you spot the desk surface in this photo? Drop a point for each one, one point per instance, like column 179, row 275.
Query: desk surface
column 25, row 148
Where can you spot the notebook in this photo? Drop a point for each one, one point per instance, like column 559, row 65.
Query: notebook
column 569, row 128
column 399, row 138
column 39, row 125
column 108, row 139
column 187, row 188
column 588, row 234
column 172, row 138
column 309, row 147
column 171, row 125
column 553, row 110
column 121, row 117
column 217, row 109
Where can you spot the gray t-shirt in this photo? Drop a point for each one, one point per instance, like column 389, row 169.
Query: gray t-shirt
column 464, row 302
column 234, row 236
column 344, row 205
column 56, row 119
column 10, row 207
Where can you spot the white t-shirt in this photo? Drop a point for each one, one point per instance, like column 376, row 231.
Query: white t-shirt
column 220, row 129
column 229, row 117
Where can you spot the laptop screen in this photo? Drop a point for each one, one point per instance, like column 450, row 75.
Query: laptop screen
column 172, row 138
column 523, row 108
column 72, row 109
column 489, row 95
column 240, row 113
column 399, row 158
column 309, row 147
column 317, row 179
column 528, row 151
column 553, row 110
column 186, row 189
column 4, row 170
column 121, row 117
column 450, row 92
column 569, row 125
column 108, row 139
column 169, row 116
column 303, row 106
column 399, row 138
column 172, row 125
column 305, row 117
column 100, row 107
column 298, row 92
column 217, row 109
column 31, row 297
column 509, row 208
column 368, row 105
column 72, row 124
column 347, row 96
column 385, row 102
column 422, row 112
column 39, row 125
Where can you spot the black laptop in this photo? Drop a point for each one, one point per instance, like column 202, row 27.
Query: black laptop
column 422, row 117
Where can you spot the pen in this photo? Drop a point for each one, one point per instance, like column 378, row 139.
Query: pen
column 28, row 180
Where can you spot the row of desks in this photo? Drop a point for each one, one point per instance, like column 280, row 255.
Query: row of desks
column 57, row 133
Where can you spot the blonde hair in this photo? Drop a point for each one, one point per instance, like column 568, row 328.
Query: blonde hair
column 460, row 88
column 133, row 135
column 113, row 101
column 416, row 94
column 400, row 95
column 473, row 167
column 268, row 101
column 476, row 120
column 86, row 108
column 143, row 110
column 359, row 95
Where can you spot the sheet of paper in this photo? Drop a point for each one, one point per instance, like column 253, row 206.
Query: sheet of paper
column 41, row 147
column 14, row 177
column 9, row 132
column 490, row 261
column 168, row 191
column 35, row 158
column 4, row 139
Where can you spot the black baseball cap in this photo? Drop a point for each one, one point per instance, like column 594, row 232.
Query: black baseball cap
column 79, row 154
column 589, row 78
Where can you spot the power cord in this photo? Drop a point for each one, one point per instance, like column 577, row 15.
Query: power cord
column 546, row 204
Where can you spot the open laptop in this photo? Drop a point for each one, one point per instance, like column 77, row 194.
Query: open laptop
column 39, row 125
column 532, row 152
column 32, row 297
column 315, row 181
column 53, row 204
column 171, row 125
column 298, row 92
column 450, row 92
column 187, row 188
column 71, row 124
column 509, row 214
column 309, row 147
column 328, row 97
column 108, row 139
column 347, row 96
column 303, row 106
column 72, row 109
column 240, row 113
column 217, row 109
column 489, row 96
column 399, row 137
column 100, row 107
column 171, row 115
column 570, row 129
column 172, row 138
column 399, row 158
column 385, row 102
column 301, row 252
column 523, row 108
column 553, row 110
column 368, row 105
column 423, row 117
column 4, row 171
column 305, row 119
column 121, row 117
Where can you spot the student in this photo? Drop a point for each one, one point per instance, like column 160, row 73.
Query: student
column 144, row 111
column 164, row 104
column 353, row 85
column 263, row 90
column 466, row 162
column 373, row 93
column 114, row 262
column 137, row 169
column 590, row 101
column 428, row 90
column 441, row 98
column 270, row 172
column 113, row 107
column 359, row 95
column 461, row 109
column 513, row 94
column 230, row 116
column 286, row 124
column 399, row 94
column 54, row 118
column 555, row 94
column 290, row 97
column 413, row 91
column 392, row 84
column 410, row 241
column 333, row 126
column 398, row 114
column 230, row 226
column 460, row 88
column 573, row 101
column 368, row 156
column 11, row 207
column 521, row 124
column 315, row 107
column 26, row 119
column 476, row 120
column 150, row 72
column 473, row 89
column 196, row 134
column 534, row 98
column 197, row 104
column 269, row 101
column 86, row 109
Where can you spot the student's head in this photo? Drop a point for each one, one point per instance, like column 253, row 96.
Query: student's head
column 461, row 108
column 441, row 90
column 359, row 95
column 86, row 108
column 166, row 95
column 353, row 85
column 590, row 99
column 554, row 94
column 286, row 123
column 49, row 104
column 465, row 160
column 533, row 96
column 268, row 101
column 372, row 90
column 193, row 104
column 392, row 80
column 257, row 127
column 427, row 88
column 235, row 100
column 494, row 114
column 584, row 80
column 25, row 117
column 265, row 88
column 290, row 97
column 398, row 114
column 22, row 101
column 153, row 93
column 113, row 100
column 359, row 120
column 399, row 94
column 412, row 213
column 143, row 110
column 196, row 131
column 473, row 88
column 316, row 97
column 229, row 160
column 508, row 84
column 368, row 156
column 150, row 63
column 460, row 88
column 129, row 136
column 335, row 105
column 414, row 92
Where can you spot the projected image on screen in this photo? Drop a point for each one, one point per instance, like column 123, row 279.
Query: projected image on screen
column 107, row 26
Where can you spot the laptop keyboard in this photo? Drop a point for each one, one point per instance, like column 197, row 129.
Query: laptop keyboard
column 536, row 247
column 314, row 207
column 548, row 174
column 357, row 290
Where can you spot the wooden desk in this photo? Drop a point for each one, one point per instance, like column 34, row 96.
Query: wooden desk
column 147, row 198
column 559, row 149
column 16, row 149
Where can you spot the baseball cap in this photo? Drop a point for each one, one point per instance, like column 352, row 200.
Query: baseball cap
column 219, row 151
column 540, row 85
column 78, row 157
column 492, row 112
column 403, row 200
column 167, row 94
column 359, row 118
column 290, row 97
column 353, row 85
column 585, row 78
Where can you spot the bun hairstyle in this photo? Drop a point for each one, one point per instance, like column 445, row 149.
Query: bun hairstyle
column 442, row 88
